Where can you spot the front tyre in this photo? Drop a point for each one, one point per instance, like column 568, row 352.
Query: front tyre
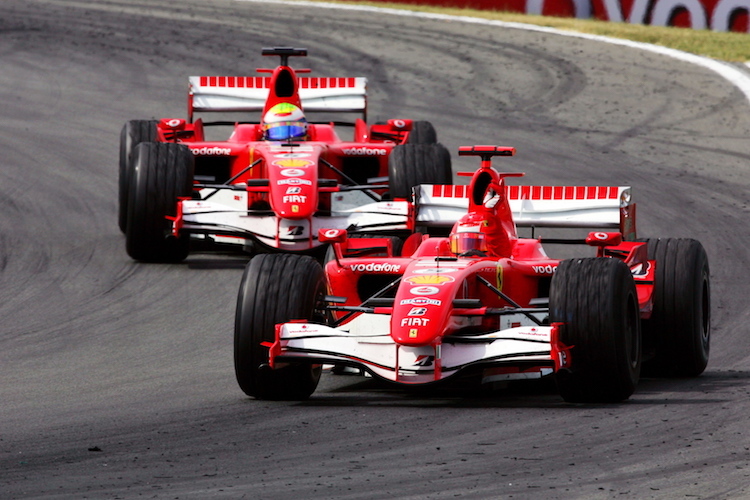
column 410, row 165
column 162, row 173
column 133, row 133
column 275, row 288
column 422, row 132
column 679, row 329
column 596, row 301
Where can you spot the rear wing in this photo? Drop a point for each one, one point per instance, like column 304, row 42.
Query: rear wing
column 249, row 93
column 596, row 207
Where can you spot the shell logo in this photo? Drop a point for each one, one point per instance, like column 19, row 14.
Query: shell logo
column 429, row 279
column 293, row 163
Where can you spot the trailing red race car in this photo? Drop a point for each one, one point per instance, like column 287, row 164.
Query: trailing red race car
column 483, row 300
column 276, row 181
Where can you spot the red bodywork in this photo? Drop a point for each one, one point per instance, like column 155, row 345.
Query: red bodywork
column 438, row 294
column 294, row 180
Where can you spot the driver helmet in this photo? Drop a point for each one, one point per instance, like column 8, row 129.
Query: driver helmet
column 284, row 121
column 469, row 235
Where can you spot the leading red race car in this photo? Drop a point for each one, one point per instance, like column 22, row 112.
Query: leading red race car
column 483, row 300
column 274, row 182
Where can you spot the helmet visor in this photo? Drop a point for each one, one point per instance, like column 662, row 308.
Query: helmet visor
column 464, row 242
column 286, row 130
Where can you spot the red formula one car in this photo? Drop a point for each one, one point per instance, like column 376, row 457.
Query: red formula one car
column 482, row 301
column 276, row 181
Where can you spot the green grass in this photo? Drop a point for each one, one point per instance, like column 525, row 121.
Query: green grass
column 725, row 46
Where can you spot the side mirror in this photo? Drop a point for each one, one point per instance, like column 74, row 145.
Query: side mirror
column 602, row 239
column 401, row 125
column 332, row 235
column 337, row 238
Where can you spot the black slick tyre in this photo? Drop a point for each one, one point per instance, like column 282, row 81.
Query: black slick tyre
column 275, row 288
column 422, row 132
column 410, row 165
column 679, row 330
column 162, row 173
column 133, row 133
column 596, row 301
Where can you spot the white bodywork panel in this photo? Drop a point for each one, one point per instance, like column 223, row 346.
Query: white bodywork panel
column 225, row 210
column 361, row 342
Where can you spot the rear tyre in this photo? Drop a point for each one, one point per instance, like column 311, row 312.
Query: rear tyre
column 275, row 288
column 596, row 300
column 410, row 165
column 422, row 132
column 162, row 173
column 679, row 330
column 133, row 133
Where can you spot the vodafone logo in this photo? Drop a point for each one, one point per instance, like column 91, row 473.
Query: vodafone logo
column 548, row 269
column 214, row 151
column 376, row 268
column 424, row 290
column 363, row 151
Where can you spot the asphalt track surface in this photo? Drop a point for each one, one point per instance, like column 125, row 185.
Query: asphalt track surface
column 116, row 378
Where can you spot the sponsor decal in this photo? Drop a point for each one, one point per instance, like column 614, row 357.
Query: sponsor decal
column 364, row 151
column 332, row 233
column 458, row 264
column 294, row 198
column 293, row 163
column 424, row 360
column 413, row 333
column 424, row 290
column 292, row 155
column 295, row 208
column 420, row 301
column 292, row 172
column 293, row 190
column 435, row 270
column 375, row 268
column 214, row 151
column 548, row 269
column 429, row 279
column 418, row 311
column 294, row 182
column 295, row 230
column 415, row 321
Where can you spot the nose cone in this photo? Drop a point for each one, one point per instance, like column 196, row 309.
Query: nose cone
column 293, row 180
column 422, row 306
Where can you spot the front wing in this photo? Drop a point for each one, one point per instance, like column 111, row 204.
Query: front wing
column 225, row 217
column 520, row 352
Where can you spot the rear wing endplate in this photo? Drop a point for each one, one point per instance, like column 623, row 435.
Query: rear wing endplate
column 539, row 206
column 249, row 93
